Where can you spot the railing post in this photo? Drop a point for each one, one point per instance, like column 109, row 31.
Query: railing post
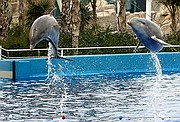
column 62, row 51
column 39, row 53
column 8, row 54
column 0, row 52
column 148, row 9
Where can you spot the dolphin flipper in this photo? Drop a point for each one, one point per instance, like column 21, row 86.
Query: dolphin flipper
column 160, row 41
column 148, row 33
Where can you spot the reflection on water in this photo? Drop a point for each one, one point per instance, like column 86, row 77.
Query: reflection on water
column 92, row 99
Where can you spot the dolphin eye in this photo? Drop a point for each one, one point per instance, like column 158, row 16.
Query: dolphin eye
column 143, row 23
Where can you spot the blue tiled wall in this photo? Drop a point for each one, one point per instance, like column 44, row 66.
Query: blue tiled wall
column 33, row 68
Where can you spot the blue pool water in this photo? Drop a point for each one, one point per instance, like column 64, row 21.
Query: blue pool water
column 96, row 98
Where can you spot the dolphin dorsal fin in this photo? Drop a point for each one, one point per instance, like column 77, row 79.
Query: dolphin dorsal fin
column 51, row 13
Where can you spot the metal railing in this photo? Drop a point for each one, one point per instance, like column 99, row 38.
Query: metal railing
column 8, row 51
column 0, row 52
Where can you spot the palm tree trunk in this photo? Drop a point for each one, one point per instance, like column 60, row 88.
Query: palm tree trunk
column 173, row 19
column 3, row 19
column 75, row 14
column 122, row 15
column 66, row 17
column 93, row 5
column 65, row 21
column 173, row 8
column 21, row 12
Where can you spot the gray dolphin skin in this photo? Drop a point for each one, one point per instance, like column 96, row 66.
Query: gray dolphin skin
column 45, row 28
column 148, row 33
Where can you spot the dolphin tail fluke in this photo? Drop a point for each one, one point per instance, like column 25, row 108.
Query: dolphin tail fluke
column 68, row 59
column 58, row 56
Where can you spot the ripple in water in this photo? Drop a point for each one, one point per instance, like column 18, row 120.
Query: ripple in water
column 92, row 98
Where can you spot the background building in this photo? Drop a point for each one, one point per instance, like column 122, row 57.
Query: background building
column 106, row 12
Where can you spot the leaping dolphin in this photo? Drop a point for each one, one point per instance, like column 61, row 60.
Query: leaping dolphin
column 45, row 28
column 148, row 33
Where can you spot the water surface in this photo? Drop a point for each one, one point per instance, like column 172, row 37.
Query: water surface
column 136, row 97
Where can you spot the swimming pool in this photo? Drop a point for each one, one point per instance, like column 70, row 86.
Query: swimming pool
column 135, row 97
column 34, row 68
column 113, row 87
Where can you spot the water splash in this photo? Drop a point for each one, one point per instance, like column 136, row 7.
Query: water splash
column 157, row 66
column 54, row 80
column 50, row 50
column 158, row 69
column 155, row 91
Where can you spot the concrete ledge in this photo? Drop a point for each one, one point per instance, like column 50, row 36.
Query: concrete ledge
column 6, row 69
column 6, row 74
column 34, row 68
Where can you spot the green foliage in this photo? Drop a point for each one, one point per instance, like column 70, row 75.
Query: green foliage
column 90, row 37
column 173, row 39
column 17, row 38
column 65, row 40
column 97, row 36
column 36, row 10
column 85, row 2
column 170, row 2
column 86, row 16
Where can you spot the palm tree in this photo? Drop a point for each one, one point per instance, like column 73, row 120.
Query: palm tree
column 75, row 12
column 71, row 21
column 93, row 5
column 4, row 25
column 173, row 7
column 21, row 12
column 36, row 10
column 66, row 16
column 122, row 15
column 86, row 16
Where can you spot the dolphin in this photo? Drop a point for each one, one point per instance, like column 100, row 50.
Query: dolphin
column 148, row 33
column 45, row 28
